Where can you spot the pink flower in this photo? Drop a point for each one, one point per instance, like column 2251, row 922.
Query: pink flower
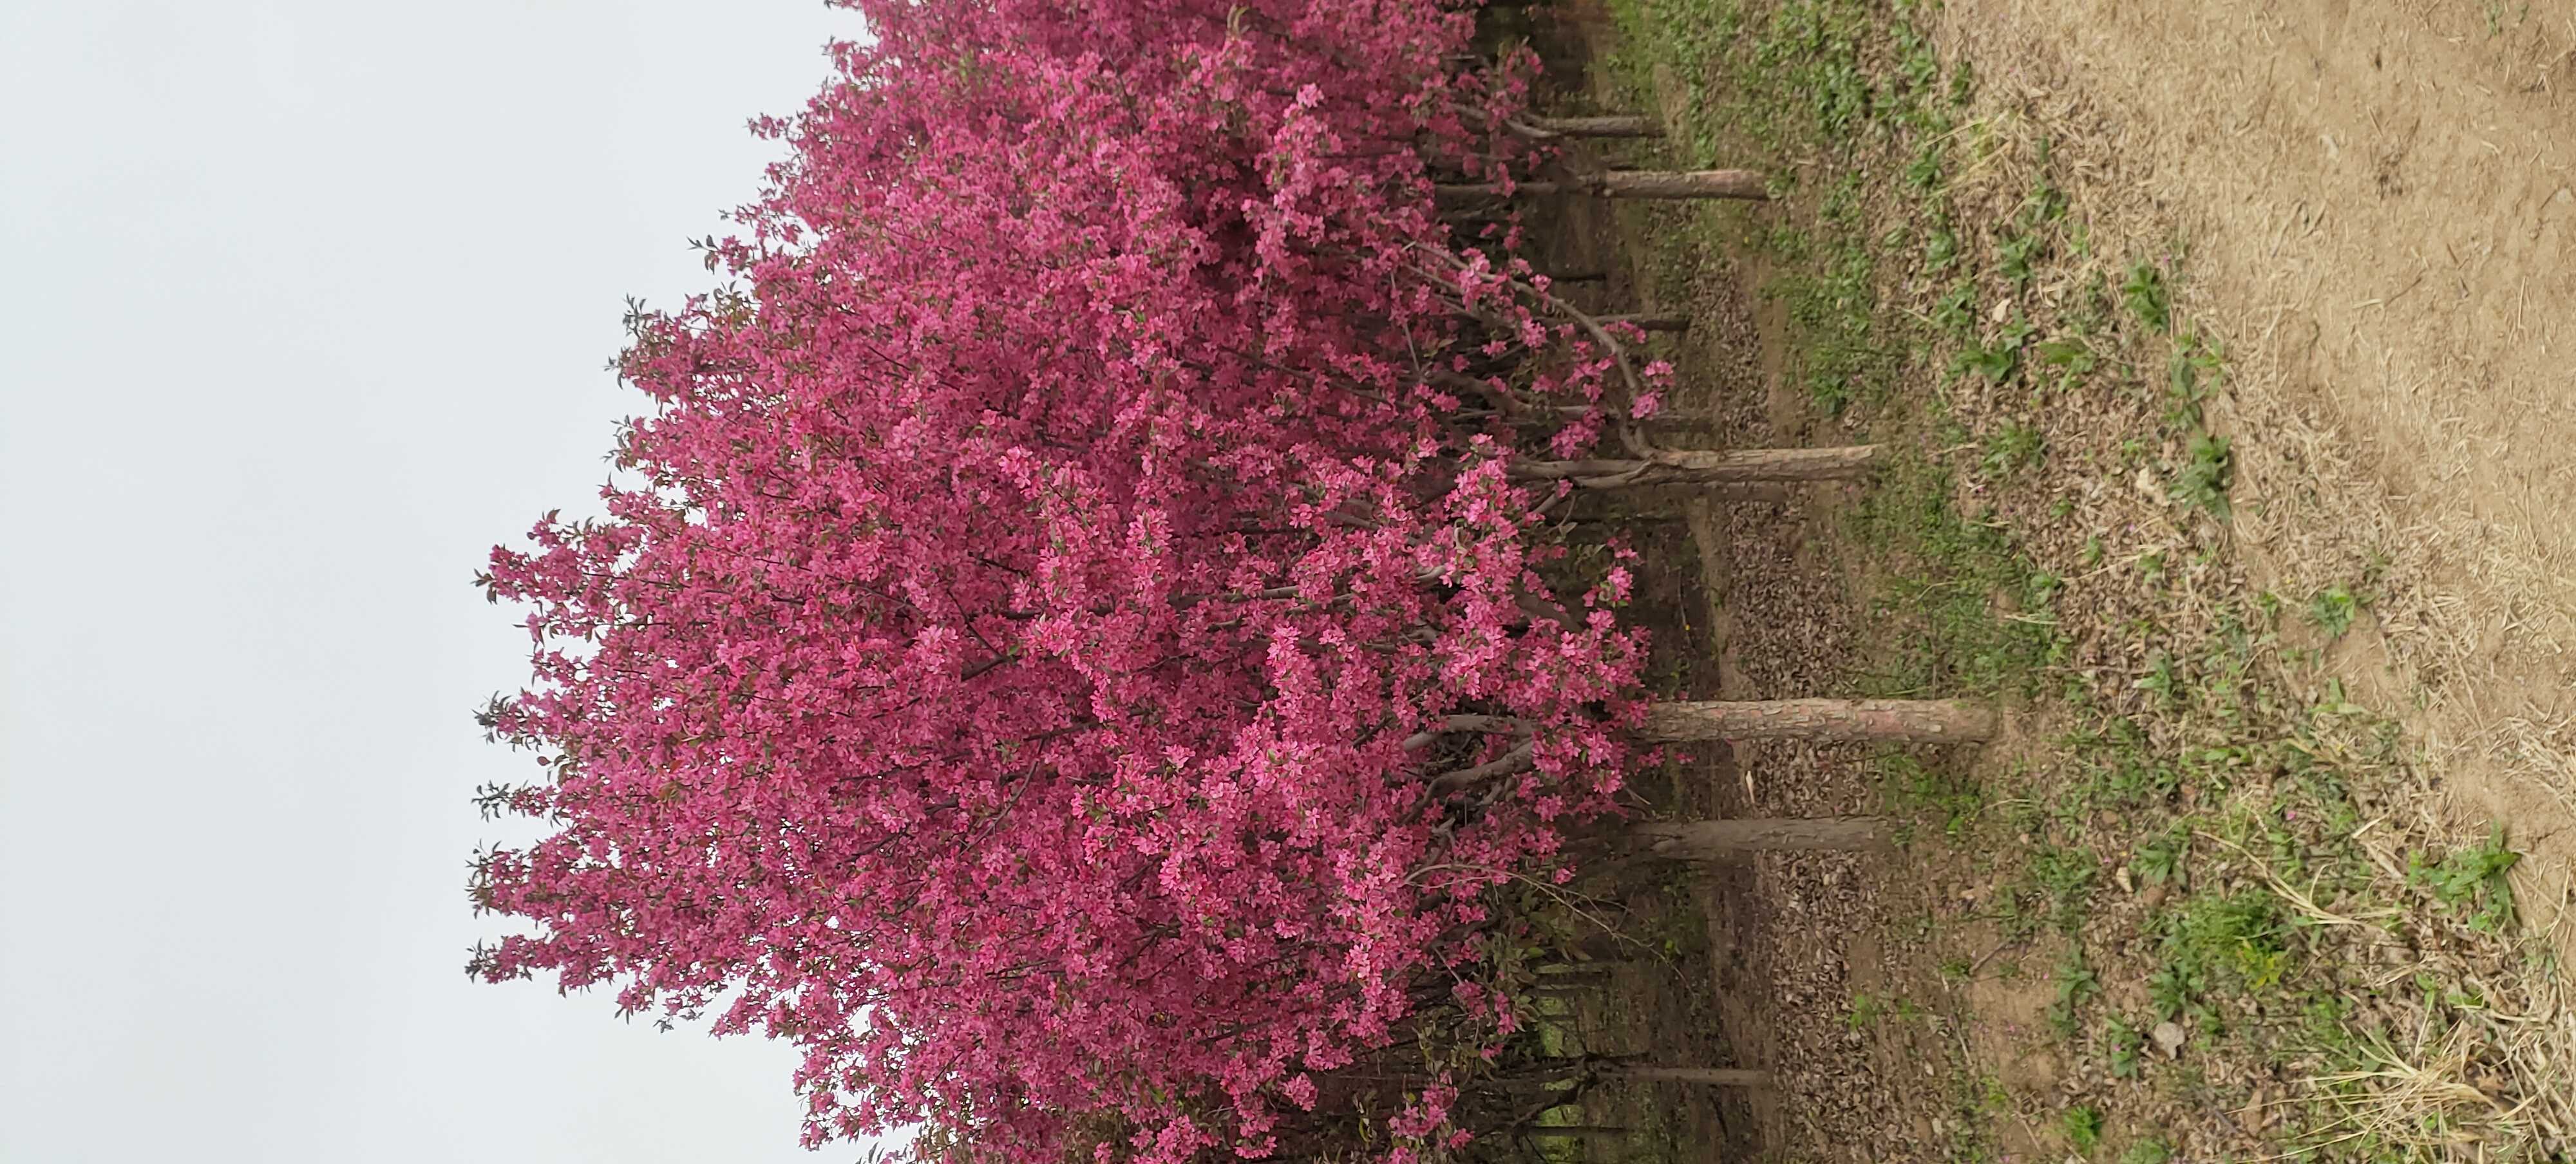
column 994, row 667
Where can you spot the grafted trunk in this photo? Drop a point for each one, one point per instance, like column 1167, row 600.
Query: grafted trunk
column 1729, row 840
column 1885, row 720
column 1706, row 1076
column 1621, row 125
column 1707, row 468
column 1743, row 184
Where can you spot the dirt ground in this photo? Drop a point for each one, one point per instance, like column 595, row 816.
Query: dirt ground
column 2201, row 823
column 2379, row 202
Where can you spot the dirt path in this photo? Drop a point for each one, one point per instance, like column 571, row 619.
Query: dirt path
column 2377, row 208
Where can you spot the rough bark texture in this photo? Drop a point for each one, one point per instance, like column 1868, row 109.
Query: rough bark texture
column 1888, row 720
column 1652, row 322
column 1728, row 493
column 1516, row 760
column 1749, row 184
column 1708, row 1076
column 1724, row 840
column 1629, row 125
column 1708, row 468
column 1490, row 724
column 1840, row 463
column 1746, row 184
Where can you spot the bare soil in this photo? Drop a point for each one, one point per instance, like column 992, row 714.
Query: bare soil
column 2368, row 219
column 2375, row 204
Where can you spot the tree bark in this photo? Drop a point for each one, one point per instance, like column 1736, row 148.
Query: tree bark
column 1708, row 1076
column 1837, row 463
column 1651, row 322
column 1492, row 724
column 1747, row 492
column 1742, row 184
column 1727, row 840
column 1887, row 720
column 1582, row 1131
column 1707, row 468
column 1513, row 762
column 1630, row 125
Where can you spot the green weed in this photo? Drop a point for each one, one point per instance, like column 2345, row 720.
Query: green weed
column 2213, row 941
column 2161, row 680
column 2159, row 859
column 2153, row 1150
column 2083, row 1127
column 2071, row 352
column 1865, row 1011
column 2145, row 294
column 2333, row 610
column 2076, row 985
column 2471, row 881
column 1955, row 312
column 1913, row 786
column 2124, row 1048
column 2011, row 448
column 2062, row 882
column 2205, row 475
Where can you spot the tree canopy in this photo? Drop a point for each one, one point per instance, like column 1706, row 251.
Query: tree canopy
column 1068, row 645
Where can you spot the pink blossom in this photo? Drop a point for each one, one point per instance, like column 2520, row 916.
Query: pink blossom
column 994, row 670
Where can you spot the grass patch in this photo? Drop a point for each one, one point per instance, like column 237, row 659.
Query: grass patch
column 2083, row 1128
column 2144, row 293
column 2178, row 833
column 2152, row 1150
column 1940, row 794
column 2206, row 470
column 1970, row 614
column 2333, row 610
column 2470, row 881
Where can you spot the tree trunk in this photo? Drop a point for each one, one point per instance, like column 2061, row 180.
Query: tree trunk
column 1511, row 763
column 1707, row 468
column 1651, row 322
column 1744, row 184
column 1584, row 972
column 1597, row 947
column 1747, row 493
column 1615, row 126
column 1708, row 1076
column 1582, row 1131
column 1729, row 840
column 1885, row 720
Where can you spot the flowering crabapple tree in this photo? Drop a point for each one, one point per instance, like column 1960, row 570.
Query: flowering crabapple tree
column 1073, row 645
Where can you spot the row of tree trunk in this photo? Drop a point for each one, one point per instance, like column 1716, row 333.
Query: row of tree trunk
column 1734, row 474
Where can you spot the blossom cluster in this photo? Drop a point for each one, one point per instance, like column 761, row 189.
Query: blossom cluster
column 1063, row 647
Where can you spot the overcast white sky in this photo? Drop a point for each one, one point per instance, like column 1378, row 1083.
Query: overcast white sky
column 302, row 306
